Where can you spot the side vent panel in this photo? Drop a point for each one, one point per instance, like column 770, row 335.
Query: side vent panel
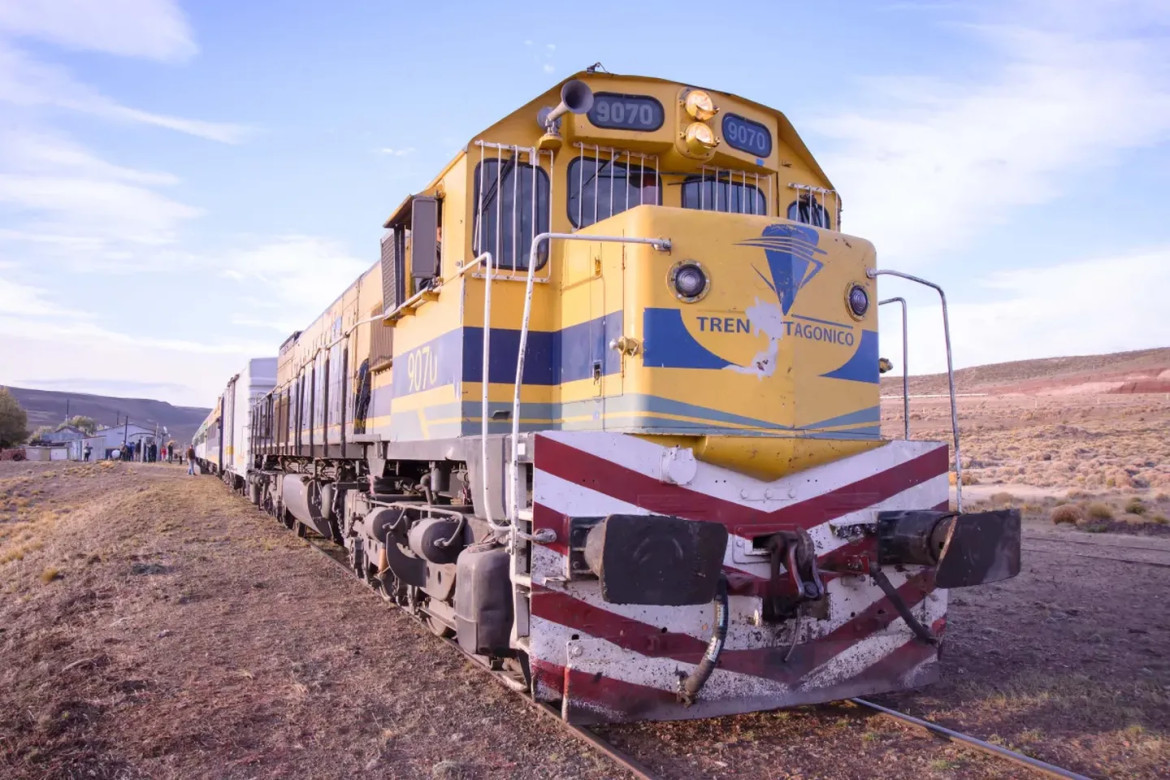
column 381, row 342
column 393, row 281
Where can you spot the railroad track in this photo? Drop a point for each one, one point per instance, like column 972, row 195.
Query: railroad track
column 635, row 768
column 1143, row 556
column 1035, row 764
column 590, row 738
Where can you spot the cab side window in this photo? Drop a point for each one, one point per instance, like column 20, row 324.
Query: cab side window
column 511, row 203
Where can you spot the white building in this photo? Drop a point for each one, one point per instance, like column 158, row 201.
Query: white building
column 105, row 440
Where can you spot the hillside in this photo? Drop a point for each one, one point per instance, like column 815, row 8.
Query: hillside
column 1143, row 371
column 48, row 407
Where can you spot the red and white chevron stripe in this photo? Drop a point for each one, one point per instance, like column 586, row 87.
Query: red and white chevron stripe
column 611, row 662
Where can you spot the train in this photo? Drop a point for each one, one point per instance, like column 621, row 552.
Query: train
column 222, row 442
column 605, row 413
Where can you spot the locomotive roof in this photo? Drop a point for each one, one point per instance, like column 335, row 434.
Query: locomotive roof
column 551, row 97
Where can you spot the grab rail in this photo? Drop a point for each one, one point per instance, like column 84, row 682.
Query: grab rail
column 485, row 259
column 905, row 365
column 661, row 244
column 873, row 273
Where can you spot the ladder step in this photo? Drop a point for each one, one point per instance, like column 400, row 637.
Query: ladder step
column 526, row 515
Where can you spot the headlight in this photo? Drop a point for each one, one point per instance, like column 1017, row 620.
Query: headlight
column 689, row 281
column 858, row 300
column 699, row 105
column 699, row 138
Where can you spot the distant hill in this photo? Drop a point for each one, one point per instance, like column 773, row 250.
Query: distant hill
column 48, row 407
column 1143, row 371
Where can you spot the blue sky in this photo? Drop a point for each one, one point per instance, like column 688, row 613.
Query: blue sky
column 183, row 184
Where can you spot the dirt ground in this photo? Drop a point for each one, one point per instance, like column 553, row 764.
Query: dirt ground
column 155, row 625
column 1066, row 663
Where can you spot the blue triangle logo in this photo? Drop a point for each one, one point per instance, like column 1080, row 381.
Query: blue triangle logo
column 791, row 252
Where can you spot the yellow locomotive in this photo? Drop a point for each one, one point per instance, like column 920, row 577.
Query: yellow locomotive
column 606, row 410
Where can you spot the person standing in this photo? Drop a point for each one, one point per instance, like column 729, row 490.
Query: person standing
column 190, row 460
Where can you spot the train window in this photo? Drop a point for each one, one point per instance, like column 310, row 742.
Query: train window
column 515, row 195
column 723, row 194
column 806, row 209
column 601, row 188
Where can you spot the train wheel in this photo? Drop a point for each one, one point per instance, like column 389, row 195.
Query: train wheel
column 389, row 588
column 437, row 627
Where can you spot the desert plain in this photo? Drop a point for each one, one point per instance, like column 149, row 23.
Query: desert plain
column 156, row 625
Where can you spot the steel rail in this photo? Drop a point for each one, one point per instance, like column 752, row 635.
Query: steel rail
column 590, row 738
column 597, row 742
column 1043, row 767
column 1162, row 564
column 640, row 771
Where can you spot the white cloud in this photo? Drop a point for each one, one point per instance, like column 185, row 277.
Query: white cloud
column 24, row 148
column 154, row 29
column 1105, row 304
column 543, row 56
column 24, row 300
column 305, row 273
column 96, row 208
column 391, row 151
column 939, row 160
column 27, row 82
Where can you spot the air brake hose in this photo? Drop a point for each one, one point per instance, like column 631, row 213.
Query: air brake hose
column 689, row 686
column 920, row 631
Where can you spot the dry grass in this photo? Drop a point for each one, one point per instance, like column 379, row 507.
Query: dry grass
column 1099, row 510
column 1067, row 513
column 1081, row 443
column 50, row 573
column 1135, row 506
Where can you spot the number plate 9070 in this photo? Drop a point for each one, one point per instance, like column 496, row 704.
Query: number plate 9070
column 626, row 112
column 746, row 135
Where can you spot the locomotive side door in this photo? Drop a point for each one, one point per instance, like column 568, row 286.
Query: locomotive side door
column 591, row 312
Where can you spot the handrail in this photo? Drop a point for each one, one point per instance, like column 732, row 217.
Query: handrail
column 661, row 244
column 905, row 365
column 873, row 273
column 485, row 383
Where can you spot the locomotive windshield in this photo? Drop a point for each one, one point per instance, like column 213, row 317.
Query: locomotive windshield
column 600, row 188
column 708, row 194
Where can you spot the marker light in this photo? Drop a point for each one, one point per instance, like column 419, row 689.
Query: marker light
column 858, row 301
column 689, row 280
column 700, row 139
column 699, row 105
